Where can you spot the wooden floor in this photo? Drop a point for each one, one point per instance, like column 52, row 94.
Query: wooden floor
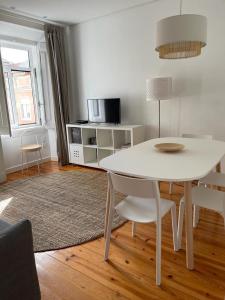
column 79, row 273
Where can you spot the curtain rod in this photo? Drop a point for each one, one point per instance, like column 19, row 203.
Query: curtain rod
column 25, row 19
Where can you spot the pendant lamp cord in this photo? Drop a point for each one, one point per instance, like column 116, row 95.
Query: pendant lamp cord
column 181, row 3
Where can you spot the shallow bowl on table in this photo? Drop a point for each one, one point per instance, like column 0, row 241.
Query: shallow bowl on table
column 169, row 147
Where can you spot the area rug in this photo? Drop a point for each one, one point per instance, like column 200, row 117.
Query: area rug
column 65, row 208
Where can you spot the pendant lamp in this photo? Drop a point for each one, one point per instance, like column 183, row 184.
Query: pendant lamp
column 181, row 36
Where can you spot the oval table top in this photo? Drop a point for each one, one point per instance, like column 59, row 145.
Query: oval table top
column 195, row 161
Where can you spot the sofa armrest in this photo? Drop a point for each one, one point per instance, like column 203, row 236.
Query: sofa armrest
column 18, row 274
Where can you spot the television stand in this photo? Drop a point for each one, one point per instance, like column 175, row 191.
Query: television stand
column 89, row 143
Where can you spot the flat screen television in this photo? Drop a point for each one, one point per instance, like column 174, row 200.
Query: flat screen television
column 104, row 110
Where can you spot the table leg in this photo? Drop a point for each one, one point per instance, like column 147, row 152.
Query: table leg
column 188, row 223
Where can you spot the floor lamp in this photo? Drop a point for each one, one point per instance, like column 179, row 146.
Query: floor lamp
column 157, row 89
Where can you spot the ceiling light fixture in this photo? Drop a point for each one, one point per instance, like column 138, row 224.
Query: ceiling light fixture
column 181, row 36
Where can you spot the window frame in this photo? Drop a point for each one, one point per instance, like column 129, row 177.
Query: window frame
column 33, row 56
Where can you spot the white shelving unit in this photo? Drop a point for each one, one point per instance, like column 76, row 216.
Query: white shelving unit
column 89, row 143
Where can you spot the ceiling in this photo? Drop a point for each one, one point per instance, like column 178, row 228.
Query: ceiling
column 69, row 11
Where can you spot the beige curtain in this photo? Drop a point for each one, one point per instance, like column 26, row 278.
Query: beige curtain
column 55, row 39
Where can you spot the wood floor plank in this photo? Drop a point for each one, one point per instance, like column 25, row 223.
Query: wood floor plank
column 69, row 283
column 79, row 273
column 136, row 260
column 92, row 265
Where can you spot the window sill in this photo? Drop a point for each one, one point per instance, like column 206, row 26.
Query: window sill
column 18, row 132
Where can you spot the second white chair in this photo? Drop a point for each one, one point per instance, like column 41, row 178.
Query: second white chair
column 142, row 204
column 193, row 136
column 202, row 197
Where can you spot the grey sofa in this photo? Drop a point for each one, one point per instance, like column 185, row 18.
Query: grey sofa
column 18, row 274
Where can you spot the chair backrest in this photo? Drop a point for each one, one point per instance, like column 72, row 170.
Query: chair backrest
column 198, row 136
column 136, row 187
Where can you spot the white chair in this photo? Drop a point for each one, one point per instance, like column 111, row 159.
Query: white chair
column 26, row 148
column 197, row 136
column 202, row 197
column 193, row 136
column 196, row 208
column 214, row 179
column 144, row 205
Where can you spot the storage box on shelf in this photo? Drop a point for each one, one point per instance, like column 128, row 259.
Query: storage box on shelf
column 89, row 143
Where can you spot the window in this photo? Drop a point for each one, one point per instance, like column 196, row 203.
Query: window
column 21, row 84
column 26, row 114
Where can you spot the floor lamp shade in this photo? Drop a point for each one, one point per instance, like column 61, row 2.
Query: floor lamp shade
column 181, row 36
column 159, row 88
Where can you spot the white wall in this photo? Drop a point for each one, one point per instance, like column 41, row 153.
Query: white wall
column 52, row 143
column 2, row 164
column 115, row 54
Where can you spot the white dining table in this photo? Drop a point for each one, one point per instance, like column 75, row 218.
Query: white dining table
column 195, row 161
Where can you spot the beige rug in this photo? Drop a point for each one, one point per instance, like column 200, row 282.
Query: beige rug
column 65, row 208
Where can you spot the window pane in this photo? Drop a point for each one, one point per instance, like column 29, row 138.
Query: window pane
column 9, row 98
column 15, row 58
column 24, row 97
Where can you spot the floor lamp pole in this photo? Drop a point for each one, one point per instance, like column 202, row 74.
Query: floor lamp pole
column 159, row 118
column 159, row 135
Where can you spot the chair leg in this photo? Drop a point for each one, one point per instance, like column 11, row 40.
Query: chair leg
column 158, row 252
column 107, row 210
column 22, row 160
column 180, row 224
column 109, row 228
column 133, row 228
column 224, row 214
column 174, row 226
column 26, row 162
column 218, row 170
column 171, row 188
column 203, row 184
column 218, row 167
column 196, row 216
column 40, row 156
column 39, row 162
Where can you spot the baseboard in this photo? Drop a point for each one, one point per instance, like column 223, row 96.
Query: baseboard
column 27, row 165
column 2, row 177
column 54, row 158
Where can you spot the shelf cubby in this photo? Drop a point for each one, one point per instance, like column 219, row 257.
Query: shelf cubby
column 105, row 138
column 74, row 135
column 102, row 153
column 90, row 155
column 122, row 139
column 88, row 133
